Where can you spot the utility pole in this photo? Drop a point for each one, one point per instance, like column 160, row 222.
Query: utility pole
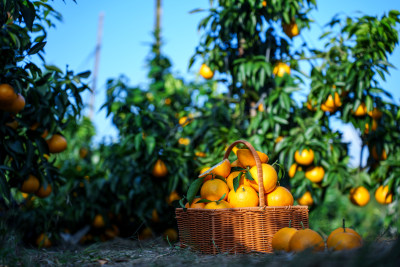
column 96, row 65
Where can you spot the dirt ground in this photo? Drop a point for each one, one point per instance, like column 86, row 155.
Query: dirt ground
column 156, row 252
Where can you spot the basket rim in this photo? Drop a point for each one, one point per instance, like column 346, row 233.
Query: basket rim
column 248, row 208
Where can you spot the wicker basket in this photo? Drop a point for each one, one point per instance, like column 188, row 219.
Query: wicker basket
column 237, row 230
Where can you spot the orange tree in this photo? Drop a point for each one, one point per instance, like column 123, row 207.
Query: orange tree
column 36, row 104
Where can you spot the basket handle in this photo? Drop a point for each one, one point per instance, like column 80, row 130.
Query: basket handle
column 258, row 164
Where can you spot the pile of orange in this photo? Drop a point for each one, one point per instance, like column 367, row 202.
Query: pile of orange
column 236, row 184
column 32, row 185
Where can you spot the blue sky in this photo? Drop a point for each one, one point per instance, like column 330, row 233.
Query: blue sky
column 127, row 35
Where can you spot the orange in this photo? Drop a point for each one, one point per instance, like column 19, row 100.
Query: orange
column 264, row 3
column 291, row 29
column 83, row 152
column 173, row 196
column 292, row 170
column 218, row 205
column 261, row 107
column 167, row 101
column 344, row 241
column 333, row 103
column 359, row 196
column 375, row 114
column 375, row 154
column 270, row 178
column 159, row 169
column 184, row 141
column 195, row 205
column 43, row 241
column 183, row 121
column 306, row 199
column 98, row 221
column 305, row 158
column 304, row 239
column 154, row 216
column 57, row 143
column 340, row 230
column 44, row 192
column 200, row 154
column 14, row 124
column 325, row 108
column 237, row 163
column 278, row 139
column 280, row 69
column 279, row 197
column 281, row 239
column 45, row 133
column 245, row 196
column 315, row 174
column 246, row 158
column 361, row 110
column 373, row 128
column 233, row 175
column 146, row 233
column 16, row 105
column 383, row 196
column 7, row 94
column 214, row 189
column 206, row 72
column 30, row 185
column 208, row 177
column 221, row 169
column 310, row 106
column 112, row 232
column 171, row 234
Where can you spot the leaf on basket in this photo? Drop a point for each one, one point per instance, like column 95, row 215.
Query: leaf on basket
column 194, row 188
column 236, row 181
column 249, row 177
column 181, row 202
column 203, row 201
column 281, row 171
column 237, row 169
column 222, row 198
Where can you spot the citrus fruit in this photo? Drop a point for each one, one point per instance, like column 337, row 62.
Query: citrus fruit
column 340, row 230
column 361, row 110
column 146, row 233
column 344, row 241
column 279, row 197
column 264, row 3
column 184, row 141
column 373, row 128
column 44, row 192
column 14, row 124
column 306, row 199
column 233, row 175
column 98, row 221
column 30, row 185
column 214, row 189
column 57, row 143
column 220, row 205
column 167, row 101
column 278, row 139
column 173, row 196
column 83, row 152
column 112, row 232
column 280, row 69
column 245, row 196
column 16, row 105
column 375, row 154
column 43, row 241
column 310, row 106
column 292, row 170
column 207, row 177
column 325, row 108
column 306, row 157
column 304, row 239
column 171, row 235
column 375, row 114
column 195, row 205
column 7, row 94
column 281, row 239
column 270, row 178
column 222, row 169
column 291, row 29
column 237, row 163
column 246, row 158
column 260, row 107
column 154, row 216
column 183, row 121
column 315, row 174
column 206, row 72
column 359, row 196
column 200, row 154
column 333, row 103
column 159, row 169
column 383, row 196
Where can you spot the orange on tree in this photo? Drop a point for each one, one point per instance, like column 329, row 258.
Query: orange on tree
column 333, row 103
column 281, row 196
column 218, row 205
column 44, row 192
column 375, row 154
column 207, row 177
column 14, row 124
column 167, row 101
column 214, row 190
column 376, row 114
column 359, row 196
column 304, row 239
column 261, row 107
column 344, row 241
column 280, row 69
column 373, row 128
column 315, row 174
column 45, row 134
column 245, row 196
column 206, row 72
column 57, row 143
column 7, row 95
column 325, row 108
column 292, row 170
column 306, row 199
column 361, row 110
column 195, row 205
column 154, row 216
column 171, row 235
column 184, row 141
column 383, row 196
column 83, row 152
column 98, row 221
column 306, row 157
column 278, row 139
column 270, row 178
column 30, row 185
column 173, row 196
column 183, row 121
column 43, row 241
column 246, row 158
column 159, row 169
column 291, row 29
column 222, row 169
column 264, row 3
column 17, row 105
column 280, row 240
column 200, row 154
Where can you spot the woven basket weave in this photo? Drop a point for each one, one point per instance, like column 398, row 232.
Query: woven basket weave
column 237, row 230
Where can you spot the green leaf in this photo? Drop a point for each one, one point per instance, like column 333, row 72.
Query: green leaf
column 150, row 144
column 236, row 169
column 36, row 48
column 236, row 181
column 249, row 177
column 221, row 198
column 194, row 188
